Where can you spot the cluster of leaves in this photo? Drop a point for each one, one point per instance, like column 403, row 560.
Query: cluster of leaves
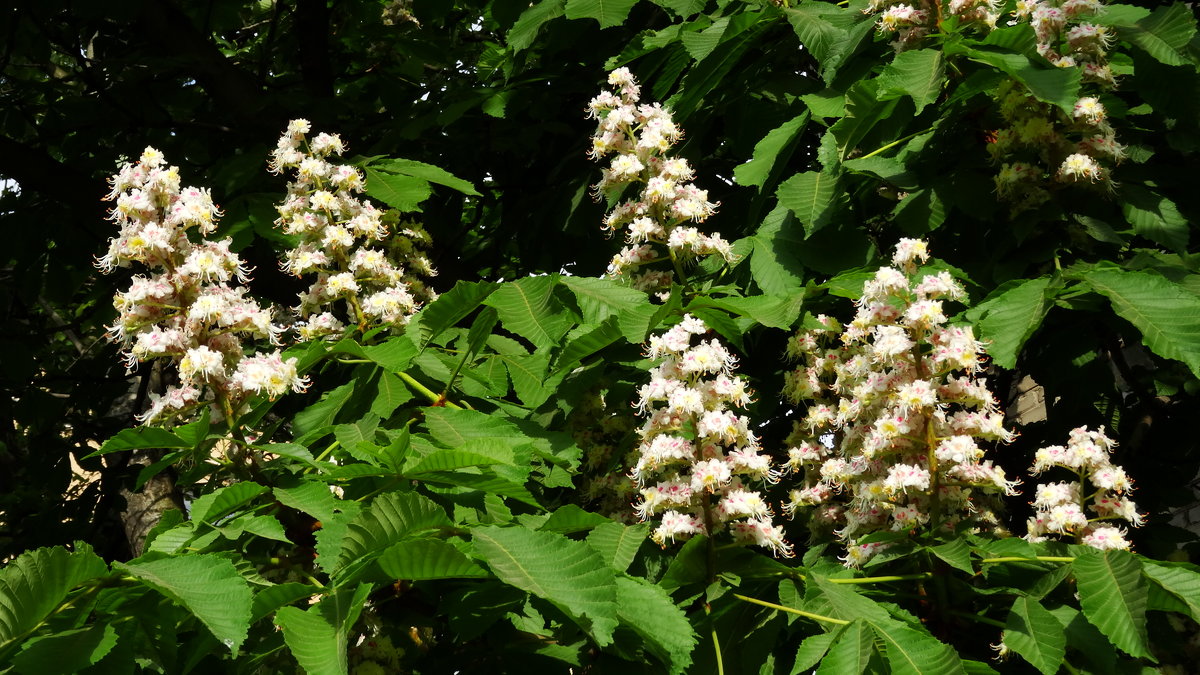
column 419, row 509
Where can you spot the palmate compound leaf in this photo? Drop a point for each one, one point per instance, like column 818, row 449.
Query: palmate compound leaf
column 568, row 573
column 1034, row 633
column 389, row 519
column 1166, row 314
column 1112, row 595
column 650, row 612
column 317, row 637
column 208, row 586
column 35, row 583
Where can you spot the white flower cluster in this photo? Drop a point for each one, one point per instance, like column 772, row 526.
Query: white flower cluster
column 1060, row 507
column 344, row 240
column 1082, row 145
column 896, row 415
column 911, row 23
column 640, row 135
column 695, row 451
column 186, row 310
column 1043, row 145
column 1067, row 39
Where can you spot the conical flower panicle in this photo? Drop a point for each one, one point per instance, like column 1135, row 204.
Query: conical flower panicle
column 697, row 457
column 895, row 415
column 345, row 241
column 1043, row 148
column 187, row 311
column 639, row 136
column 1083, row 507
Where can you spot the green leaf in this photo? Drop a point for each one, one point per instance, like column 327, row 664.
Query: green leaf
column 587, row 340
column 910, row 652
column 428, row 559
column 267, row 527
column 67, row 652
column 770, row 311
column 830, row 32
column 476, row 452
column 650, row 612
column 1177, row 580
column 450, row 308
column 323, row 412
column 390, row 393
column 756, row 171
column 1010, row 318
column 272, row 598
column 956, row 553
column 618, row 544
column 852, row 651
column 601, row 298
column 847, row 604
column 429, row 172
column 318, row 637
column 392, row 517
column 1166, row 314
column 523, row 32
column 311, row 497
column 701, row 43
column 1035, row 634
column 682, row 8
column 569, row 574
column 141, row 437
column 350, row 435
column 528, row 374
column 528, row 308
column 864, row 110
column 815, row 197
column 404, row 193
column 811, row 651
column 452, row 428
column 208, row 586
column 1112, row 594
column 1056, row 86
column 1165, row 34
column 35, row 583
column 1155, row 217
column 774, row 264
column 918, row 73
column 920, row 212
column 888, row 169
column 223, row 501
column 570, row 518
column 608, row 12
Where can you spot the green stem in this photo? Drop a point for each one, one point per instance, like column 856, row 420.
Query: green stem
column 883, row 579
column 793, row 610
column 427, row 392
column 716, row 643
column 894, row 143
